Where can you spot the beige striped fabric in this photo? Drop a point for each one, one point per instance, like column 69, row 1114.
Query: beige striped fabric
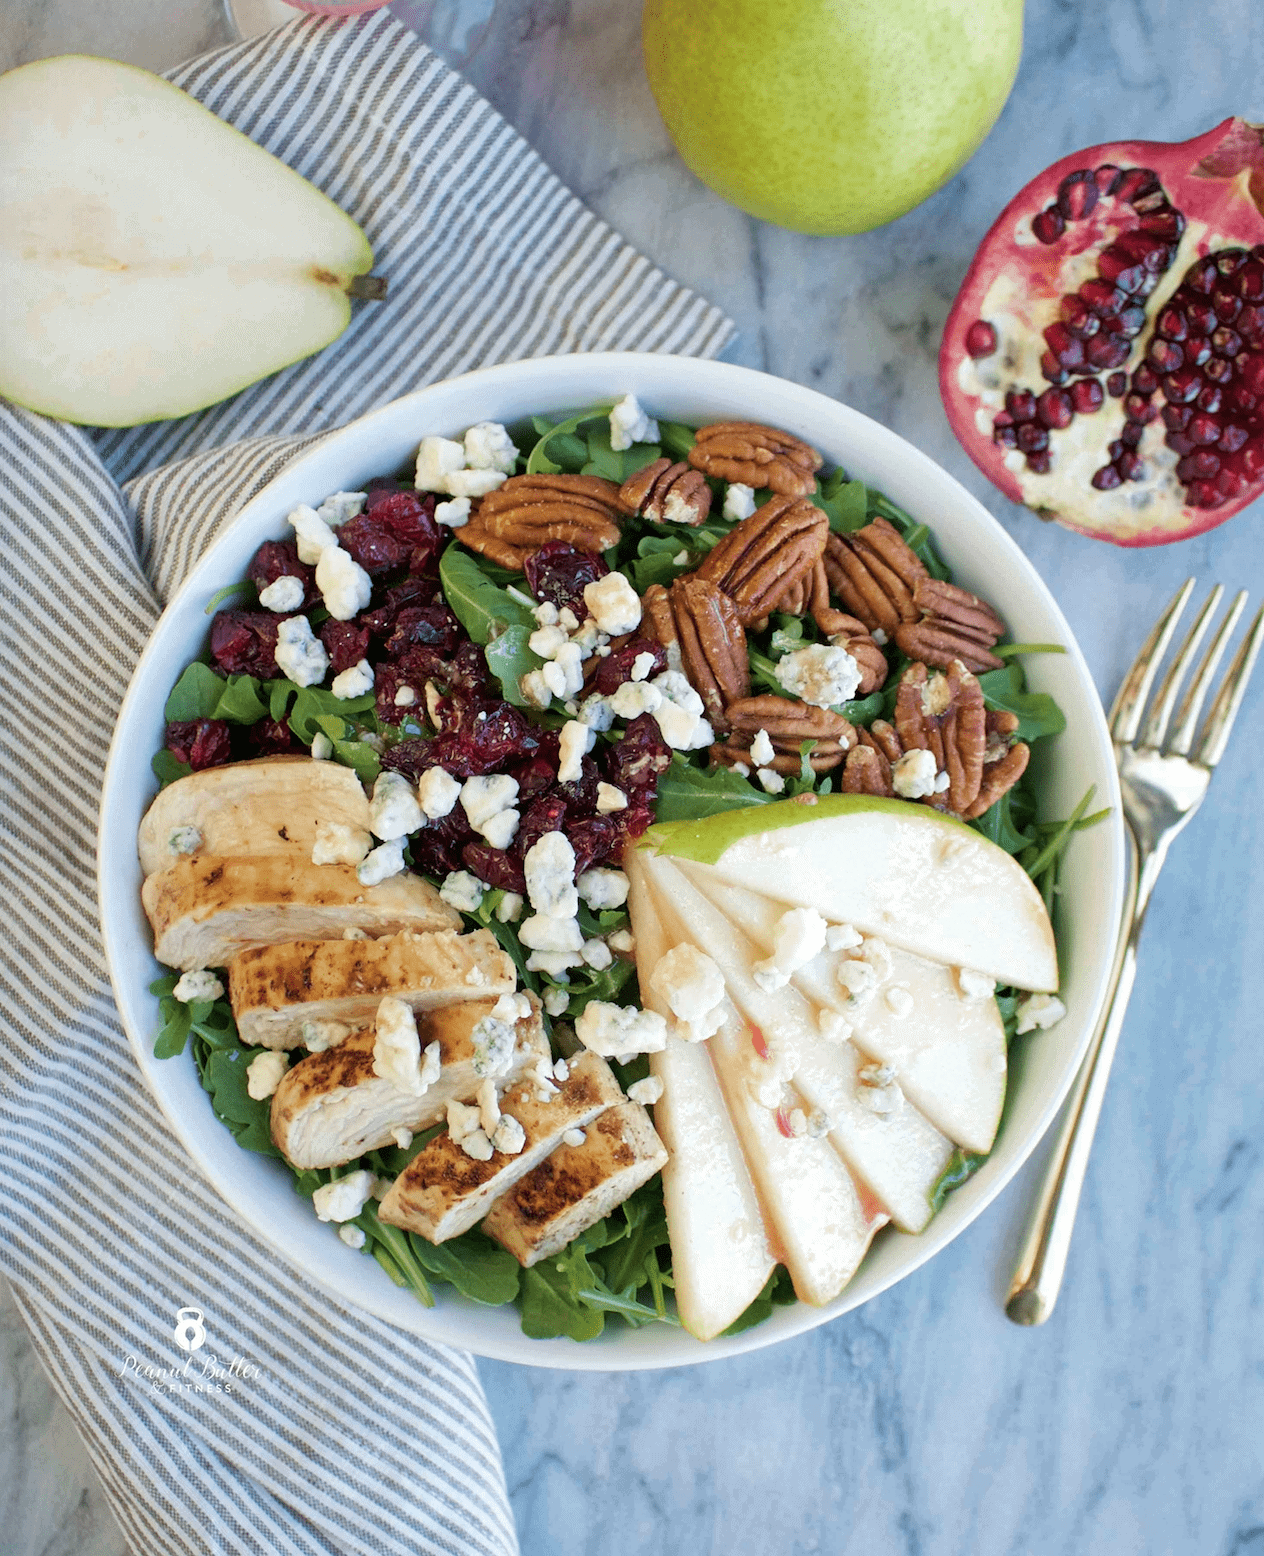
column 348, row 1436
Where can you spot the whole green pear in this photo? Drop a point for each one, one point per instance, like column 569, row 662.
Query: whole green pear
column 830, row 116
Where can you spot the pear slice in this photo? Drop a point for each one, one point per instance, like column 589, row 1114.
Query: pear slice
column 153, row 260
column 721, row 1256
column 947, row 1052
column 822, row 1224
column 898, row 1155
column 903, row 872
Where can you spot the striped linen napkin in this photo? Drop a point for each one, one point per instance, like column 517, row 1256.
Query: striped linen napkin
column 324, row 1429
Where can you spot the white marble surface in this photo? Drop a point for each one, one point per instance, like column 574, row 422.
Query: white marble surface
column 925, row 1423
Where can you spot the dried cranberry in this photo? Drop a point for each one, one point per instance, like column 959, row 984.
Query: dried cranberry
column 581, row 795
column 468, row 670
column 380, row 620
column 433, row 626
column 593, row 841
column 372, row 545
column 416, row 666
column 546, row 814
column 381, row 489
column 244, row 642
column 488, row 734
column 279, row 559
column 633, row 821
column 387, row 681
column 270, row 737
column 535, row 777
column 410, row 519
column 200, row 742
column 418, row 755
column 616, row 668
column 636, row 761
column 347, row 643
column 558, row 573
column 495, row 866
column 436, row 849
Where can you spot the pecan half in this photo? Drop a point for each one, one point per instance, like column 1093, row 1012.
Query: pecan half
column 846, row 632
column 703, row 622
column 756, row 456
column 788, row 725
column 867, row 772
column 517, row 518
column 874, row 574
column 764, row 556
column 955, row 625
column 667, row 494
column 998, row 778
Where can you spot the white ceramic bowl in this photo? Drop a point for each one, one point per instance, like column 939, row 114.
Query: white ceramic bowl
column 982, row 557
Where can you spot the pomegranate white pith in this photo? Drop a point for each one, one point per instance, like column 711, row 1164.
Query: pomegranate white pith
column 1104, row 360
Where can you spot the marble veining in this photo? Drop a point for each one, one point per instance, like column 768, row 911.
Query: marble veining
column 925, row 1423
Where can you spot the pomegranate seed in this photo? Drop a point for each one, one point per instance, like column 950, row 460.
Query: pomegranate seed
column 1005, row 436
column 1079, row 318
column 1176, row 417
column 1202, row 276
column 1021, row 404
column 1136, row 183
column 1137, row 407
column 1258, row 251
column 1144, row 380
column 1039, row 462
column 980, row 339
column 1172, row 325
column 1197, row 350
column 759, row 1043
column 1107, row 351
column 1227, row 305
column 1132, row 434
column 1182, row 386
column 1052, row 369
column 1129, row 465
column 1202, row 465
column 1119, row 266
column 1102, row 297
column 1031, row 438
column 1232, row 439
column 1250, row 325
column 1251, row 374
column 1151, row 200
column 1107, row 479
column 1228, row 483
column 1165, row 356
column 1055, row 408
column 1107, row 178
column 1116, row 448
column 1209, row 399
column 1049, row 226
column 1204, row 429
column 1251, row 282
column 1202, row 494
column 1068, row 351
column 783, row 1122
column 1243, row 399
column 1219, row 370
column 1201, row 316
column 1230, row 261
column 1087, row 396
column 1164, row 223
column 1179, row 443
column 1149, row 281
column 1077, row 195
column 1141, row 248
column 1127, row 322
column 1226, row 341
column 1116, row 384
column 1252, row 461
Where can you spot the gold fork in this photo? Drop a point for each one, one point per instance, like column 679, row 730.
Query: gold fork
column 1162, row 785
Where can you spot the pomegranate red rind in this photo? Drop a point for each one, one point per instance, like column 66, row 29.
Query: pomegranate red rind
column 1104, row 360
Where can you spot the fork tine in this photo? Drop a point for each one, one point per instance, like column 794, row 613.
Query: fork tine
column 1165, row 701
column 1192, row 706
column 1130, row 700
column 1229, row 698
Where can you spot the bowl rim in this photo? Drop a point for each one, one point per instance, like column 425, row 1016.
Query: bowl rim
column 559, row 382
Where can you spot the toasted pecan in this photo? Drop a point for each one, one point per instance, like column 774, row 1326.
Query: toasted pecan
column 703, row 623
column 518, row 518
column 756, row 456
column 667, row 494
column 787, row 724
column 764, row 556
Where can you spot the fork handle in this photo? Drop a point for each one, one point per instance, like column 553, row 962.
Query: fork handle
column 1043, row 1256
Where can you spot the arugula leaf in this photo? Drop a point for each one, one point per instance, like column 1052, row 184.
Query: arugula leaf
column 961, row 1165
column 778, row 1292
column 506, row 935
column 195, row 695
column 538, row 461
column 509, row 659
column 280, row 694
column 656, row 561
column 616, row 464
column 551, row 1304
column 999, row 826
column 245, row 585
column 479, row 1268
column 687, row 793
column 1038, row 714
column 167, row 767
column 482, row 607
column 1012, row 650
column 847, row 505
column 224, row 1077
column 314, row 704
column 676, row 438
column 240, row 702
column 587, row 984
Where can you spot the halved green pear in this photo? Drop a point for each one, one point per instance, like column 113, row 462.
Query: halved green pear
column 153, row 260
column 903, row 872
column 822, row 1225
column 721, row 1257
column 948, row 1053
column 899, row 1155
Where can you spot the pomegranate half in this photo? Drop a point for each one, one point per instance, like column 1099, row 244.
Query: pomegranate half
column 1104, row 360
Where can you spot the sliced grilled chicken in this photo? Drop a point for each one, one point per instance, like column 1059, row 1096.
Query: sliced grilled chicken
column 331, row 1107
column 577, row 1185
column 270, row 806
column 204, row 910
column 275, row 989
column 443, row 1192
column 722, row 1255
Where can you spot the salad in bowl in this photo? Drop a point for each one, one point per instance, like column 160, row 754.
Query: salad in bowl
column 602, row 861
